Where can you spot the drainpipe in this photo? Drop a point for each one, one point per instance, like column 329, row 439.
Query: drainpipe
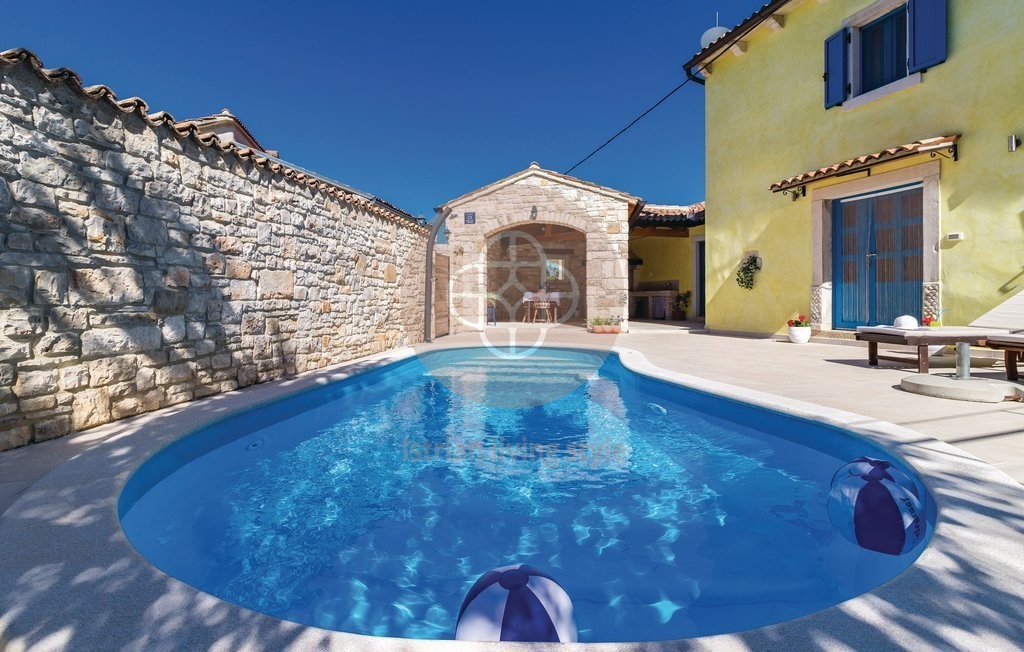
column 694, row 78
column 428, row 292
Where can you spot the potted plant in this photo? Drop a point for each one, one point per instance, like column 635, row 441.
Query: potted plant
column 682, row 304
column 799, row 330
column 932, row 321
column 745, row 273
column 492, row 307
column 600, row 324
column 616, row 325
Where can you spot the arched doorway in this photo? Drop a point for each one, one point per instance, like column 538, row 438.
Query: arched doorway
column 537, row 257
column 583, row 225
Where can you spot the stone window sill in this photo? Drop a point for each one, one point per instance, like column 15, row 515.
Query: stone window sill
column 896, row 86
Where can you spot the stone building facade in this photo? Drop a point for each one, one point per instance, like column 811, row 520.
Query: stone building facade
column 143, row 264
column 553, row 214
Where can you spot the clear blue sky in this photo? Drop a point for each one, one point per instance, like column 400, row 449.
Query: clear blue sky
column 416, row 102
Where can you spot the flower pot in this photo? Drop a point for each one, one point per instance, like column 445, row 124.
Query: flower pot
column 616, row 329
column 799, row 334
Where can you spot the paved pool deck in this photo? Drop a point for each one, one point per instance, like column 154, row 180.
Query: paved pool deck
column 69, row 579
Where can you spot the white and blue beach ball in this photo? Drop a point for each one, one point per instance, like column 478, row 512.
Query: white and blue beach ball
column 516, row 603
column 865, row 465
column 877, row 506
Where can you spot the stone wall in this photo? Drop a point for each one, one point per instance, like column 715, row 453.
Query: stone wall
column 141, row 267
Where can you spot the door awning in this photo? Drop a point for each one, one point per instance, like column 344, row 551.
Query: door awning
column 935, row 146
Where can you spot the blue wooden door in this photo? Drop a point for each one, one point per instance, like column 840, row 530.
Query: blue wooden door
column 877, row 257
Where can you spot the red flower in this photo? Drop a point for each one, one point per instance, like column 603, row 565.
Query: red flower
column 800, row 322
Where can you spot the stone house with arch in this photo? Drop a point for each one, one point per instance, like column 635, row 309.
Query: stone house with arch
column 538, row 230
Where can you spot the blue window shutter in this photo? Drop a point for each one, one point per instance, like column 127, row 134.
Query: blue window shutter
column 836, row 67
column 927, row 25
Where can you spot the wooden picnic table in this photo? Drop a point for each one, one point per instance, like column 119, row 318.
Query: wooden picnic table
column 1012, row 347
column 921, row 338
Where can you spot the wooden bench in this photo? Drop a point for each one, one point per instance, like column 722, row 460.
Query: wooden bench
column 1012, row 347
column 921, row 338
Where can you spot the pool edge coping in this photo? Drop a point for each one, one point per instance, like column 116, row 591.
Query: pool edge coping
column 926, row 455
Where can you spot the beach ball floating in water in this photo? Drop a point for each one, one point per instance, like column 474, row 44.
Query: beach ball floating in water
column 516, row 603
column 877, row 506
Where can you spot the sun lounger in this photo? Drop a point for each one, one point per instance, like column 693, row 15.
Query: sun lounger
column 1013, row 348
column 1008, row 315
column 921, row 338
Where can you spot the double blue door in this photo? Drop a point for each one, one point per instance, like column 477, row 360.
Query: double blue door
column 877, row 257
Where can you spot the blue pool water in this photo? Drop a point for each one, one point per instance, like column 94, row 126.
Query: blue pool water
column 371, row 505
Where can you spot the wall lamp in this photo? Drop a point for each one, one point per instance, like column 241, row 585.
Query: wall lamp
column 1012, row 143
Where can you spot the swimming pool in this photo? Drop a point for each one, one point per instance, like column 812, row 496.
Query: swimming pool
column 664, row 512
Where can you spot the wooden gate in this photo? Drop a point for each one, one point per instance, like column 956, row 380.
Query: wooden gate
column 441, row 314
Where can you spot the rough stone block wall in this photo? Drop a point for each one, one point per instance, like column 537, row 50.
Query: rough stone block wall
column 140, row 268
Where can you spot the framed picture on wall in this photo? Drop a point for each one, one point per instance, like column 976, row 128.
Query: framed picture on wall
column 555, row 269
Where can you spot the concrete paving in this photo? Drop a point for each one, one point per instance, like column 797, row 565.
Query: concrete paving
column 70, row 580
column 948, row 386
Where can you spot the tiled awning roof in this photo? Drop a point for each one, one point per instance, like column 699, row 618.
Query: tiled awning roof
column 664, row 215
column 189, row 130
column 868, row 160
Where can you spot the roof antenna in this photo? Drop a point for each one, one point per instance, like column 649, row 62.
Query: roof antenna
column 712, row 34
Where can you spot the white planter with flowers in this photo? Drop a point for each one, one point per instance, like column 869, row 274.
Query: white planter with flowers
column 799, row 330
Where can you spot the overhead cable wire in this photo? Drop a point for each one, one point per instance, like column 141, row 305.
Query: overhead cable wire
column 672, row 92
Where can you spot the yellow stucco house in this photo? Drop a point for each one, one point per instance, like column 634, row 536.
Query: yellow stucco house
column 862, row 154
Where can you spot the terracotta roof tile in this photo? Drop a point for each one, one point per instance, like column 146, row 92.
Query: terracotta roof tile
column 667, row 215
column 219, row 117
column 868, row 160
column 189, row 131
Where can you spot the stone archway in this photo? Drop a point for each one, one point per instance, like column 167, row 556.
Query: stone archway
column 535, row 257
